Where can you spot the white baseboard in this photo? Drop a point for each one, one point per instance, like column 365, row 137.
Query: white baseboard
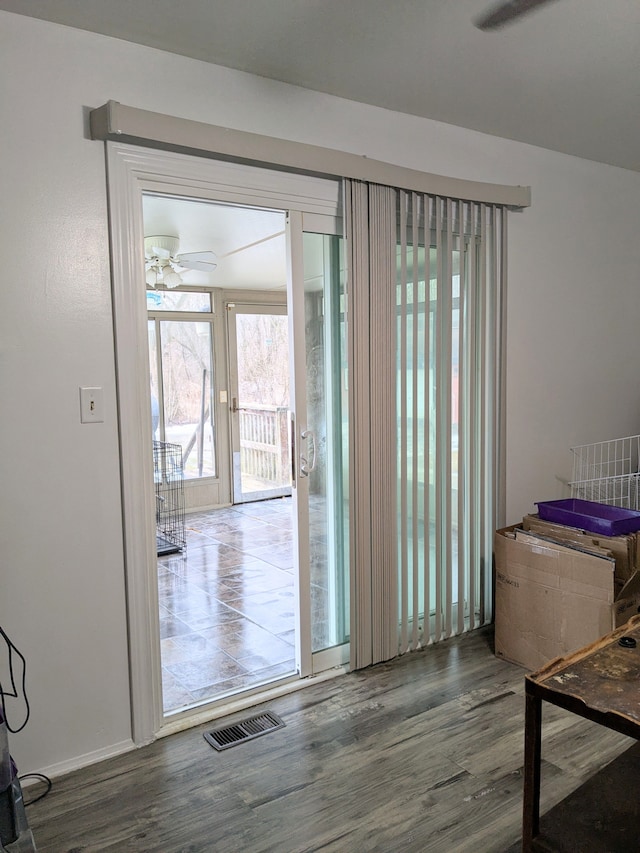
column 56, row 770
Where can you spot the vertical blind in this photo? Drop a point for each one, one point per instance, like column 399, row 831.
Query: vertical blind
column 369, row 225
column 426, row 309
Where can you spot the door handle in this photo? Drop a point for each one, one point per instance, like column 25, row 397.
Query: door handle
column 235, row 408
column 306, row 466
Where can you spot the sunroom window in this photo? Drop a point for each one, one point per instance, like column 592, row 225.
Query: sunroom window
column 180, row 327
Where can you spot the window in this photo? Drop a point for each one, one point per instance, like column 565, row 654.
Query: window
column 182, row 376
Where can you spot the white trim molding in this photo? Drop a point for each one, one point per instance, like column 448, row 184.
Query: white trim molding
column 134, row 416
column 131, row 171
column 54, row 771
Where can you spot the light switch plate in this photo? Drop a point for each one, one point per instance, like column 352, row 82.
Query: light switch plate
column 91, row 406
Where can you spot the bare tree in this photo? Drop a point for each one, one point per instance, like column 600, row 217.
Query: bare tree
column 263, row 359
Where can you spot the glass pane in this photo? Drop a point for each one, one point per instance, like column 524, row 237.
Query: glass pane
column 418, row 362
column 178, row 300
column 455, row 373
column 153, row 379
column 187, row 394
column 263, row 404
column 327, row 409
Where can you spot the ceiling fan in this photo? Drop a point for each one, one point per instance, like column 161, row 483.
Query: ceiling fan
column 163, row 264
column 507, row 11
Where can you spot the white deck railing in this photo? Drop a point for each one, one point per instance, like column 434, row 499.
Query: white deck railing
column 264, row 443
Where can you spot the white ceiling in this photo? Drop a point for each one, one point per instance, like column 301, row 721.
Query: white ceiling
column 249, row 243
column 565, row 77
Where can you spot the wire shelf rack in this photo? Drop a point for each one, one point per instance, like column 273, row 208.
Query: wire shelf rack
column 608, row 472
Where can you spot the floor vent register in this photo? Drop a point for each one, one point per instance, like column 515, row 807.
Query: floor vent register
column 252, row 727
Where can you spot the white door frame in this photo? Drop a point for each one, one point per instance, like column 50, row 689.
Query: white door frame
column 131, row 170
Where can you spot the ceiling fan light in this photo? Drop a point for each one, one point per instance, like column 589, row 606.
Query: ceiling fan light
column 170, row 277
column 151, row 277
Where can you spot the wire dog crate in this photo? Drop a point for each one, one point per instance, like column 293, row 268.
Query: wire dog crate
column 169, row 483
column 608, row 472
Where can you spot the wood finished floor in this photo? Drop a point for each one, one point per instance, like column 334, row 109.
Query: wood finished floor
column 422, row 754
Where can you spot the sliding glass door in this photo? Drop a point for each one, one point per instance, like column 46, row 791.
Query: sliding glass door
column 426, row 313
column 319, row 441
column 449, row 315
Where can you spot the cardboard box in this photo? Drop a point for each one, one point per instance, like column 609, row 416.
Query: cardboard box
column 553, row 598
column 625, row 548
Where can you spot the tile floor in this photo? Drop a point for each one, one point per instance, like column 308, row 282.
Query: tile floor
column 227, row 603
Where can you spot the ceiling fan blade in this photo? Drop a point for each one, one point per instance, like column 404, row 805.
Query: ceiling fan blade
column 203, row 261
column 506, row 12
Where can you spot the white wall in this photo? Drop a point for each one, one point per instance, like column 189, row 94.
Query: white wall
column 574, row 312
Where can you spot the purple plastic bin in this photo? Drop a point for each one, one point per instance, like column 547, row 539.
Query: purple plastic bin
column 589, row 515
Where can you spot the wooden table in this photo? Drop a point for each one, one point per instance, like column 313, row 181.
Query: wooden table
column 601, row 683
